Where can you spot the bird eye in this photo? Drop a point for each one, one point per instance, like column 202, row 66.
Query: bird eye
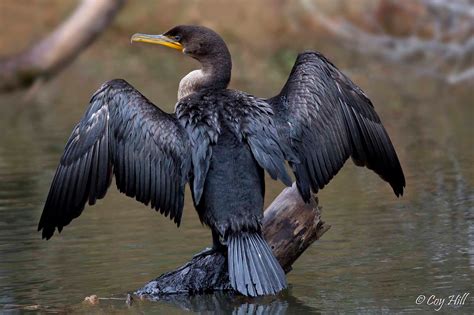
column 177, row 38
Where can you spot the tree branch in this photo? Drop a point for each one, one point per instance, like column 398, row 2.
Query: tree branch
column 59, row 48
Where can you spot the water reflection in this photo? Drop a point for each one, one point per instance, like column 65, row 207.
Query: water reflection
column 218, row 303
column 227, row 303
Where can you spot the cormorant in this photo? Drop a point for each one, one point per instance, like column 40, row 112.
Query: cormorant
column 220, row 141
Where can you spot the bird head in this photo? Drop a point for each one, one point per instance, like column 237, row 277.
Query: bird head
column 198, row 42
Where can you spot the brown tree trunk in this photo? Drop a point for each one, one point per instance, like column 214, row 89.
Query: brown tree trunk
column 289, row 226
column 60, row 47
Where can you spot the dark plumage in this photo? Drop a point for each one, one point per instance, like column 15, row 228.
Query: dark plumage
column 325, row 118
column 220, row 141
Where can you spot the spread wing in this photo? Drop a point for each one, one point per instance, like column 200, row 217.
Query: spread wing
column 324, row 118
column 121, row 134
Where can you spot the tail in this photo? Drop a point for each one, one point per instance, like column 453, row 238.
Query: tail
column 253, row 270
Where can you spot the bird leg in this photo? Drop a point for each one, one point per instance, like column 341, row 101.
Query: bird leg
column 217, row 246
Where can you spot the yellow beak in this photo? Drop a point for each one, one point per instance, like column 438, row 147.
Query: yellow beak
column 156, row 39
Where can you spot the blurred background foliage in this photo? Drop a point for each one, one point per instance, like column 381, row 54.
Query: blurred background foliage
column 426, row 37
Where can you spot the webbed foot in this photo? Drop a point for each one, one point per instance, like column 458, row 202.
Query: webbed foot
column 205, row 252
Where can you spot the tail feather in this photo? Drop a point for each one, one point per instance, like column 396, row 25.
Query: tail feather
column 253, row 270
column 281, row 279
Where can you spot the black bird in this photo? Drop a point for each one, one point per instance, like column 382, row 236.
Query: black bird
column 220, row 141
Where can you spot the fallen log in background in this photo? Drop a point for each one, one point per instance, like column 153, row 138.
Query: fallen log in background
column 289, row 226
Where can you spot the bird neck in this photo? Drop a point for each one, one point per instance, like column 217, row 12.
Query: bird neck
column 215, row 74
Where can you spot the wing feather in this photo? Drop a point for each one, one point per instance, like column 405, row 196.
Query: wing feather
column 324, row 118
column 125, row 135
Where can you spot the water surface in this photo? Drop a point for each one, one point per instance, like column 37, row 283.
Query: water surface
column 379, row 256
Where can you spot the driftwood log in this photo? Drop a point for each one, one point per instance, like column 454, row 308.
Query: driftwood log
column 290, row 226
column 59, row 48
